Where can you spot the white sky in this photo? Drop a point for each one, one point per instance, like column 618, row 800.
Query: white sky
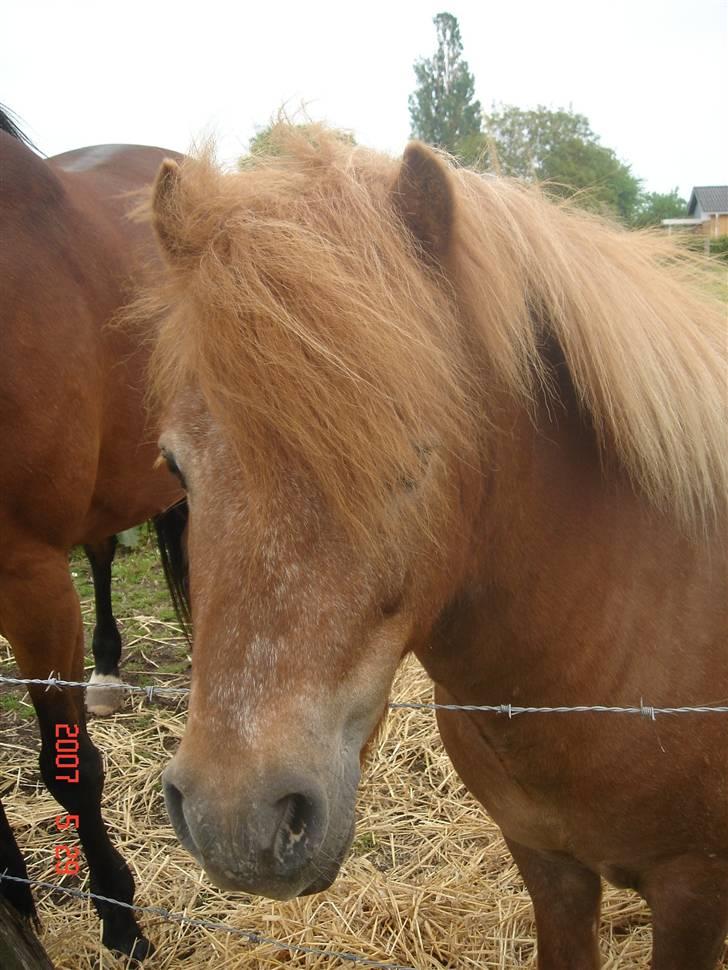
column 649, row 74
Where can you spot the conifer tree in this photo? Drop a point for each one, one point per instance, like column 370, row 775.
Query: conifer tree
column 443, row 109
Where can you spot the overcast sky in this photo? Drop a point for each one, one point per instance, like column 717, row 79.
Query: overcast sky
column 649, row 74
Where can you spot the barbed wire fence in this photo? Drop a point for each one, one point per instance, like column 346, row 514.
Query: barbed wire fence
column 509, row 710
column 643, row 710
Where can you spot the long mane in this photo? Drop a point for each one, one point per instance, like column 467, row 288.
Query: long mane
column 642, row 335
column 298, row 307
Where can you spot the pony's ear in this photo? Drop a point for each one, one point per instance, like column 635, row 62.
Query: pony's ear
column 166, row 205
column 423, row 198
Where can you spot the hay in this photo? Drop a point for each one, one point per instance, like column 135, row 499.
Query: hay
column 429, row 883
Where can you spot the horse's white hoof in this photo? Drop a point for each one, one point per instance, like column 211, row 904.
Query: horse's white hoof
column 106, row 696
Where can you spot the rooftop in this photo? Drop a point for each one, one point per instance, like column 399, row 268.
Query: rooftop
column 711, row 198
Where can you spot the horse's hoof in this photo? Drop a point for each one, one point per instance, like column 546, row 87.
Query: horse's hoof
column 135, row 952
column 141, row 949
column 106, row 695
column 128, row 942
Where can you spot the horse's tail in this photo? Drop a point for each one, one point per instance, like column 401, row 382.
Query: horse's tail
column 171, row 529
column 9, row 124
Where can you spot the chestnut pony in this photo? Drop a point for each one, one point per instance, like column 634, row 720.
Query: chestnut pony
column 77, row 455
column 419, row 409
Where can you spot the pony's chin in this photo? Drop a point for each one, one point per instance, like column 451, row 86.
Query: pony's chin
column 282, row 890
column 276, row 889
column 327, row 876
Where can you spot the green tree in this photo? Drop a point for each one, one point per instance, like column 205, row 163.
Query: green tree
column 443, row 109
column 560, row 148
column 264, row 141
column 655, row 206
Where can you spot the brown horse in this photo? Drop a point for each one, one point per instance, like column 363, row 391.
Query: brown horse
column 418, row 409
column 76, row 463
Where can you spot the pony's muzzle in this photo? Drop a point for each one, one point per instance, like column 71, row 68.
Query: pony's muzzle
column 266, row 843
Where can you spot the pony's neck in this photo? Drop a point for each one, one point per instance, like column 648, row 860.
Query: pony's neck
column 548, row 492
column 574, row 584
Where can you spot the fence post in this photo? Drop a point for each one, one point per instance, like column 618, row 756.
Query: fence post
column 20, row 948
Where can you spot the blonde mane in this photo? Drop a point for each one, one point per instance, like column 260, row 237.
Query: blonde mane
column 296, row 303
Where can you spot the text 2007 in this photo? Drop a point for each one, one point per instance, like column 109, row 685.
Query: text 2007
column 67, row 752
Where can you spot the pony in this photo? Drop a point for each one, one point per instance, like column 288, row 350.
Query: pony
column 77, row 463
column 419, row 409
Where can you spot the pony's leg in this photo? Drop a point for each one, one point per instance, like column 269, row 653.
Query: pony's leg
column 12, row 863
column 566, row 896
column 688, row 897
column 41, row 618
column 104, row 698
column 566, row 901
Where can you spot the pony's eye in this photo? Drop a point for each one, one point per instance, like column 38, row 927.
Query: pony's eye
column 174, row 467
column 391, row 606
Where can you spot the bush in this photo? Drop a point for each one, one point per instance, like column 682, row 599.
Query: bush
column 719, row 247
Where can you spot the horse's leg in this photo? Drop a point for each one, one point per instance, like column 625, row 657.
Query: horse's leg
column 12, row 863
column 689, row 902
column 41, row 618
column 104, row 698
column 566, row 901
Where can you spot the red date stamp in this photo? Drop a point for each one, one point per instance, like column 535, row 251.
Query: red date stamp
column 66, row 856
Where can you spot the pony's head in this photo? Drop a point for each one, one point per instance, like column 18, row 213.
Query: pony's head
column 317, row 412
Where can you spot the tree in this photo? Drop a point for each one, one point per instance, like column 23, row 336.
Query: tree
column 443, row 110
column 264, row 140
column 559, row 148
column 656, row 206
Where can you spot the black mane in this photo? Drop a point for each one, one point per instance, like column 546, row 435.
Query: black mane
column 9, row 125
column 171, row 528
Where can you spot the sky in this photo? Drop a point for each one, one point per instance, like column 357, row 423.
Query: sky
column 651, row 75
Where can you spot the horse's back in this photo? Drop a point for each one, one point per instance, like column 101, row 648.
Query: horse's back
column 71, row 386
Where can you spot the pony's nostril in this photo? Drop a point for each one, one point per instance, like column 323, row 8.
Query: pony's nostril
column 298, row 815
column 174, row 799
column 300, row 831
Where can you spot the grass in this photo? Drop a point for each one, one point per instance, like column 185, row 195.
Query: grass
column 718, row 281
column 14, row 705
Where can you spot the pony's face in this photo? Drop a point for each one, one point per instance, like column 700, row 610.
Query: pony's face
column 297, row 638
column 298, row 625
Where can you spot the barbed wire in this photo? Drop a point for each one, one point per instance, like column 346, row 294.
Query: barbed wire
column 151, row 690
column 250, row 935
column 509, row 710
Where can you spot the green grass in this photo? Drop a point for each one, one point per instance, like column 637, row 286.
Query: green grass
column 12, row 703
column 138, row 586
column 364, row 843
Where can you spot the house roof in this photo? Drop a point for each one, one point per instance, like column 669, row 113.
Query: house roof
column 712, row 198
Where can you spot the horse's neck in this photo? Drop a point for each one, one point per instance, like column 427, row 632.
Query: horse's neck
column 577, row 587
